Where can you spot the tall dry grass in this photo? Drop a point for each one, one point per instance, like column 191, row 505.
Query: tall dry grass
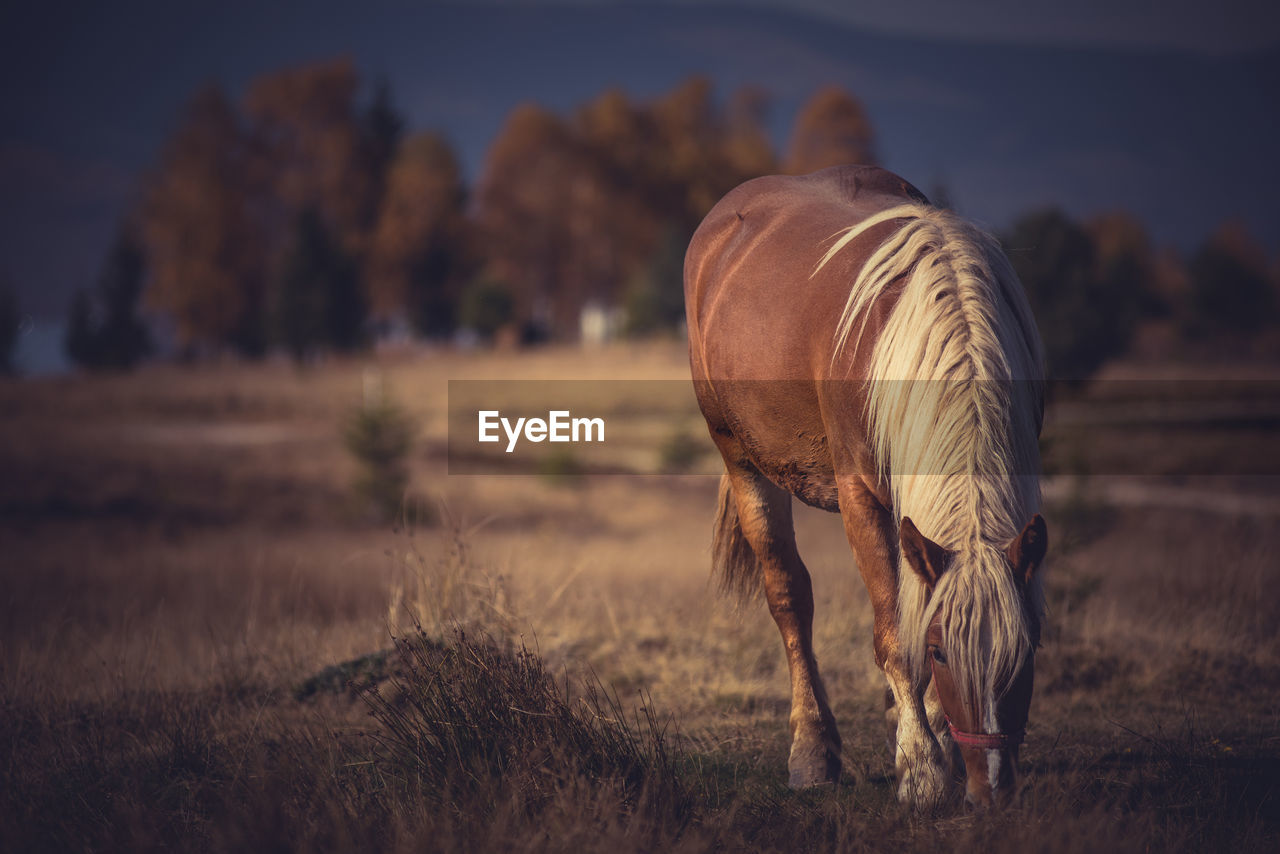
column 185, row 594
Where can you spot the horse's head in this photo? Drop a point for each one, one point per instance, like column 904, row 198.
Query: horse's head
column 980, row 649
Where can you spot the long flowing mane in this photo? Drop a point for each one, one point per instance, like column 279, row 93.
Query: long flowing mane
column 955, row 402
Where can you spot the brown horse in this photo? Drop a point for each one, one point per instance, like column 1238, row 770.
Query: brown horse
column 874, row 356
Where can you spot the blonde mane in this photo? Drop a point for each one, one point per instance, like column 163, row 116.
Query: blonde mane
column 955, row 402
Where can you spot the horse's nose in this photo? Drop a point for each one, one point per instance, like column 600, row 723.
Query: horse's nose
column 983, row 797
column 979, row 798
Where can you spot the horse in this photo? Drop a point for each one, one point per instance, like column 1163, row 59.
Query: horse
column 856, row 348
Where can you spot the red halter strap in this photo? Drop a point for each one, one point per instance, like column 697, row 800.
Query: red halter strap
column 985, row 740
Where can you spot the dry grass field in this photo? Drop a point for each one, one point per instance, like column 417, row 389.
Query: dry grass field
column 208, row 643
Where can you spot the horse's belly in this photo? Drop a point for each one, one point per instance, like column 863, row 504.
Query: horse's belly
column 778, row 426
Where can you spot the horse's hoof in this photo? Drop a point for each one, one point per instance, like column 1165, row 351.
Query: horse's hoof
column 923, row 787
column 821, row 768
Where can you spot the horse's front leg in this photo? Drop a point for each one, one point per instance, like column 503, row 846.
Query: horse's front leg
column 764, row 516
column 922, row 774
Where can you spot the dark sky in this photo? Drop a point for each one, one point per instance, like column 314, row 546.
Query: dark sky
column 1014, row 104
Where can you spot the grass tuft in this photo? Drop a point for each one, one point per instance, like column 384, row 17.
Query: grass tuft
column 474, row 724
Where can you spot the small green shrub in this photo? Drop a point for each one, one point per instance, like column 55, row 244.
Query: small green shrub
column 560, row 467
column 486, row 306
column 681, row 452
column 380, row 436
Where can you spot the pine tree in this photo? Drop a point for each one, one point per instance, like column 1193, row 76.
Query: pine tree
column 316, row 302
column 10, row 320
column 1230, row 291
column 81, row 339
column 123, row 339
column 103, row 326
column 1083, row 319
column 381, row 129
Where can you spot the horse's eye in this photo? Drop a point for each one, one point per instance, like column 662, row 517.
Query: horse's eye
column 937, row 655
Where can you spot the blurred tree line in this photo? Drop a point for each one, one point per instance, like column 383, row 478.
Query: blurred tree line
column 307, row 220
column 303, row 220
column 1099, row 290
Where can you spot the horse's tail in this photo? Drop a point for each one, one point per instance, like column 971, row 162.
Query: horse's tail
column 732, row 560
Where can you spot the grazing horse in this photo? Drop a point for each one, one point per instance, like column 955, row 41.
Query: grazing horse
column 875, row 356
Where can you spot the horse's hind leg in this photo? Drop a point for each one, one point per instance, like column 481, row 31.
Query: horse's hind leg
column 764, row 516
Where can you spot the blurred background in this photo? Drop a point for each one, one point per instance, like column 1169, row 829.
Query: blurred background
column 251, row 253
column 196, row 182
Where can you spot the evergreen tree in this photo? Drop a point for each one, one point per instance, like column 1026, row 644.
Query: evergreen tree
column 1084, row 319
column 103, row 326
column 317, row 301
column 486, row 306
column 123, row 339
column 10, row 320
column 382, row 128
column 655, row 299
column 80, row 340
column 1230, row 291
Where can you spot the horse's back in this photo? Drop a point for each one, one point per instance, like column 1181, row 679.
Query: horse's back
column 749, row 272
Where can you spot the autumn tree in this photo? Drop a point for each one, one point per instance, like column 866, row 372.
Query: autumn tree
column 420, row 254
column 204, row 249
column 620, row 136
column 1126, row 262
column 1230, row 290
column 690, row 139
column 616, row 198
column 746, row 144
column 571, row 212
column 311, row 152
column 1084, row 318
column 382, row 130
column 831, row 129
column 222, row 212
column 704, row 151
column 523, row 200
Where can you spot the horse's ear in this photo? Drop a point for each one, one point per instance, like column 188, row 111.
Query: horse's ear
column 1026, row 553
column 927, row 558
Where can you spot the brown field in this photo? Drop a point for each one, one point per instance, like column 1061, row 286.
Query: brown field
column 185, row 562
